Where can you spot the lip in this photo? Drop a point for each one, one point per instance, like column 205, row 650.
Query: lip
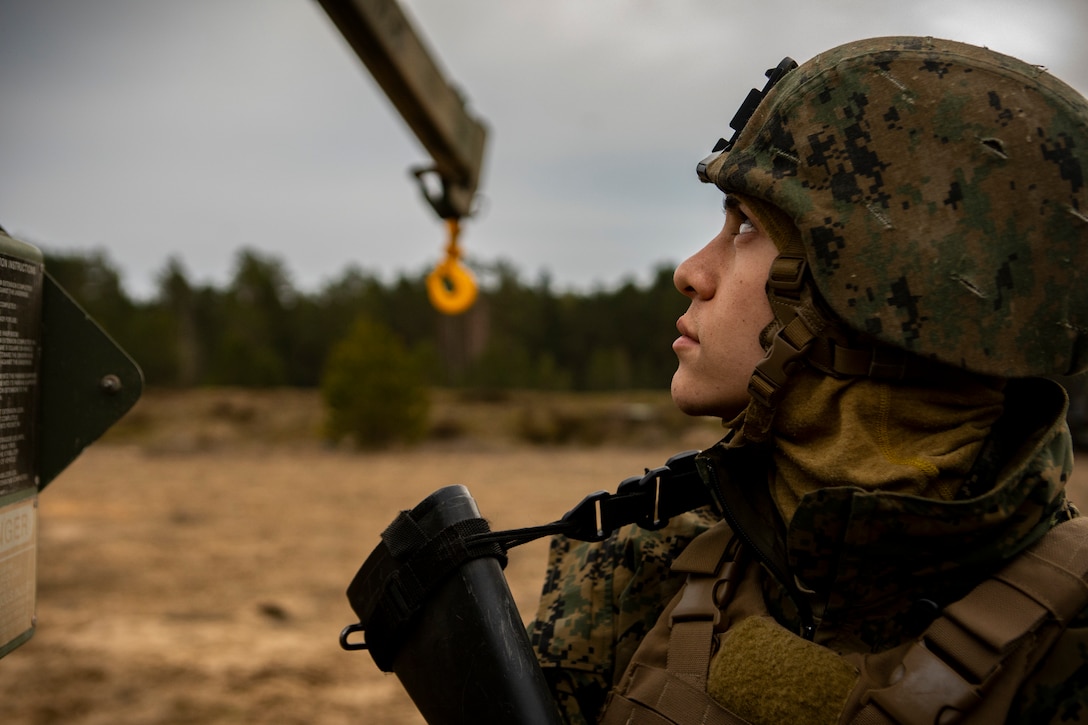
column 685, row 330
column 687, row 336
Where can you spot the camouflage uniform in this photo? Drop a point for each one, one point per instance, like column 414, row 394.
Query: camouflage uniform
column 938, row 211
column 599, row 601
column 893, row 566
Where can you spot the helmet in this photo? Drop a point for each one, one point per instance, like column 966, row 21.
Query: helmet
column 939, row 193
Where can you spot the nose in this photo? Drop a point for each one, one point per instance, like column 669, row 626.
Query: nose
column 693, row 276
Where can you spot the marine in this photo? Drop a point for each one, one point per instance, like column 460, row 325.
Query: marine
column 899, row 275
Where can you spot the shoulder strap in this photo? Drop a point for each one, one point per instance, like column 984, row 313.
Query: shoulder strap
column 956, row 661
column 674, row 690
column 713, row 563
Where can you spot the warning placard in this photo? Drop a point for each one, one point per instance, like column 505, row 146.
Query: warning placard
column 18, row 569
column 20, row 330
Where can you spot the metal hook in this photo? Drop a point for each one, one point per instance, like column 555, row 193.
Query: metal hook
column 347, row 632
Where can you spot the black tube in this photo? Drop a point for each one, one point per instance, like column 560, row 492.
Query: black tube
column 465, row 656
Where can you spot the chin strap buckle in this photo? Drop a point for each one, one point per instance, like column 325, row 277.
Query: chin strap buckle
column 788, row 346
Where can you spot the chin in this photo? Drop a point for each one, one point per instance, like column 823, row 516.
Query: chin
column 690, row 404
column 696, row 404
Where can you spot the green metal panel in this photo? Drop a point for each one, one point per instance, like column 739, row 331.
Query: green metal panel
column 88, row 382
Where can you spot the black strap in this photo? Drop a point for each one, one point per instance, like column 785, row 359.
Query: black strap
column 649, row 500
column 405, row 570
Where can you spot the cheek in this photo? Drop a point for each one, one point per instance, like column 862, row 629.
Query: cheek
column 758, row 307
column 750, row 312
column 749, row 302
column 752, row 286
column 734, row 339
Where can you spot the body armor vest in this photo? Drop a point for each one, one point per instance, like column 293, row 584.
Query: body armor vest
column 965, row 668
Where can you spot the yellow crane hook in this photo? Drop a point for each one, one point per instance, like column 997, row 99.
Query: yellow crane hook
column 451, row 286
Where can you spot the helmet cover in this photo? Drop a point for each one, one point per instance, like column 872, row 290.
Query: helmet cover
column 939, row 189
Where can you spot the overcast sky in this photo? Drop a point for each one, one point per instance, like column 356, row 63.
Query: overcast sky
column 158, row 128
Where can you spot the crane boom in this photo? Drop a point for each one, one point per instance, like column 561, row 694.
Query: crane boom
column 383, row 38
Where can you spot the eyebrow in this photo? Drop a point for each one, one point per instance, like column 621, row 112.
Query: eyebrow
column 731, row 203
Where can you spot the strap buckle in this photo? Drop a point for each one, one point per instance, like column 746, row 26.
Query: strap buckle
column 649, row 501
column 646, row 485
column 704, row 595
column 929, row 690
column 698, row 602
column 585, row 522
column 772, row 371
column 787, row 274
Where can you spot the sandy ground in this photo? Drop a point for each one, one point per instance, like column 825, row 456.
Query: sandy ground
column 197, row 576
column 199, row 583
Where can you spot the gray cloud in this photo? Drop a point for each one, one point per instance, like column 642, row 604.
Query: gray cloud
column 154, row 128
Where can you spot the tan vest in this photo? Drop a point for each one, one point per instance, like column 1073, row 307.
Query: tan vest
column 966, row 667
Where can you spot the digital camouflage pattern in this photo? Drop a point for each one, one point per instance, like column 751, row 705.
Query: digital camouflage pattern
column 940, row 192
column 861, row 561
column 599, row 601
column 874, row 567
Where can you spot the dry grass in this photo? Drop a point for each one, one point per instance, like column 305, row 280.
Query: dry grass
column 192, row 565
column 201, row 420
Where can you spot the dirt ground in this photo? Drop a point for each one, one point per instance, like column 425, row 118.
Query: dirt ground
column 192, row 566
column 192, row 571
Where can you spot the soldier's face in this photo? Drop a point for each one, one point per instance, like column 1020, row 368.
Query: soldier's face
column 718, row 347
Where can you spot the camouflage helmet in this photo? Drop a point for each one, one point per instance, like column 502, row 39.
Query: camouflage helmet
column 939, row 192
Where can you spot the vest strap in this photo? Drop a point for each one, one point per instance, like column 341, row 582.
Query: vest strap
column 981, row 647
column 948, row 671
column 715, row 565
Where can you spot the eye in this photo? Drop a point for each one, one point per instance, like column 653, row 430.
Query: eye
column 732, row 210
column 743, row 224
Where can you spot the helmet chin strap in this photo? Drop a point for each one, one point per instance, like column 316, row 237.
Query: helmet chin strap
column 798, row 323
column 804, row 332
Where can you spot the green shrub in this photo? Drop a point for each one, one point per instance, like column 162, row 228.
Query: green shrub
column 561, row 425
column 374, row 389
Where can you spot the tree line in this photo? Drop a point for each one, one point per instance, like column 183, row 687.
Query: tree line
column 258, row 330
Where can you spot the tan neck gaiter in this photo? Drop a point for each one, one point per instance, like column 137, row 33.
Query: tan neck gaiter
column 918, row 438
